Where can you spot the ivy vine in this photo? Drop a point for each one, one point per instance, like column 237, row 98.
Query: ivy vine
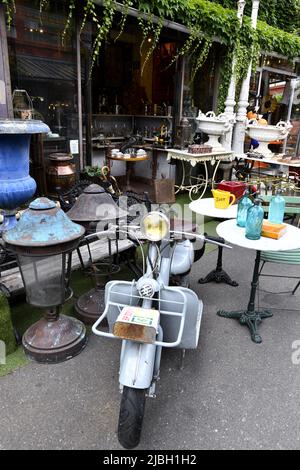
column 10, row 7
column 278, row 29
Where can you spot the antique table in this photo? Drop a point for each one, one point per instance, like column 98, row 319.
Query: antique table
column 196, row 183
column 273, row 161
column 207, row 207
column 129, row 167
column 270, row 174
column 236, row 235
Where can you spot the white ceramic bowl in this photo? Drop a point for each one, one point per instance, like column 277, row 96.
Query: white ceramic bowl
column 265, row 134
column 215, row 127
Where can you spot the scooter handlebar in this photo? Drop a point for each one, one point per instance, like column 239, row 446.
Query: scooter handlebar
column 210, row 238
column 207, row 238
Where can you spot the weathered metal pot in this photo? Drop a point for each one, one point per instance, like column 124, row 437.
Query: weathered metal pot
column 16, row 186
column 61, row 172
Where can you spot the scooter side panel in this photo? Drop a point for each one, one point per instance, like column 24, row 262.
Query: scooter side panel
column 170, row 324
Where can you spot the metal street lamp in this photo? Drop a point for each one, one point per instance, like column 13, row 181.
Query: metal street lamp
column 43, row 241
column 94, row 205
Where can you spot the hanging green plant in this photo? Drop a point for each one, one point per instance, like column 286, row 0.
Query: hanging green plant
column 10, row 7
column 146, row 25
column 201, row 58
column 189, row 47
column 215, row 19
column 127, row 5
column 71, row 11
column 225, row 78
column 103, row 27
column 154, row 43
column 89, row 11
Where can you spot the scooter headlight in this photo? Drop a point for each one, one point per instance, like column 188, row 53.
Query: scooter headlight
column 155, row 226
column 147, row 287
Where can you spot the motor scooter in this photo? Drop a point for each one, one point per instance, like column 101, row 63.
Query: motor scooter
column 179, row 312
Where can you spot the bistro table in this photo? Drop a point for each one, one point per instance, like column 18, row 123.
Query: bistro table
column 195, row 183
column 207, row 207
column 236, row 235
column 129, row 167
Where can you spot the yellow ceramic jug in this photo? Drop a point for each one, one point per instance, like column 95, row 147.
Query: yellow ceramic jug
column 222, row 199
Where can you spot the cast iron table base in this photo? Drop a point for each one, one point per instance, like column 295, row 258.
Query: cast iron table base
column 218, row 275
column 250, row 317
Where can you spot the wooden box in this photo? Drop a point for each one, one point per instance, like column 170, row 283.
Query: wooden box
column 164, row 191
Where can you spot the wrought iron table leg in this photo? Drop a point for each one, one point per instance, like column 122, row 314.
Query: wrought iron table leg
column 215, row 174
column 250, row 317
column 219, row 275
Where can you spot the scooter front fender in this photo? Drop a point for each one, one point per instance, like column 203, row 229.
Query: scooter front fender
column 137, row 364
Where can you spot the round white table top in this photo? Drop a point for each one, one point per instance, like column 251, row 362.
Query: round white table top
column 236, row 235
column 207, row 207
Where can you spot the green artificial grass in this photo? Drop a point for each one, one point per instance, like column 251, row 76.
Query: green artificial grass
column 14, row 361
column 6, row 327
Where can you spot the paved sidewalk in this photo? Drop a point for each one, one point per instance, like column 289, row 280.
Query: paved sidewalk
column 232, row 394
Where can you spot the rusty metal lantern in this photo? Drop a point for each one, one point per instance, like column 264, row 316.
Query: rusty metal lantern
column 95, row 206
column 43, row 241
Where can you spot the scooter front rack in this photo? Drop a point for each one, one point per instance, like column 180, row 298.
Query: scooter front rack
column 130, row 298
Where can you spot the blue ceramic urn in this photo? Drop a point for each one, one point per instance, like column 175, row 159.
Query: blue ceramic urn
column 16, row 186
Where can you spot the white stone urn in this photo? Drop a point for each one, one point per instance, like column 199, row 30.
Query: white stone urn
column 215, row 127
column 265, row 134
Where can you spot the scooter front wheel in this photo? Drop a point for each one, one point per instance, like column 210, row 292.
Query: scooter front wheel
column 131, row 417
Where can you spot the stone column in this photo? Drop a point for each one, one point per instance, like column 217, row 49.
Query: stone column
column 230, row 101
column 241, row 117
column 295, row 84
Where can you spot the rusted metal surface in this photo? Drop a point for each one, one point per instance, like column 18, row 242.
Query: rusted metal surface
column 43, row 229
column 54, row 338
column 90, row 306
column 94, row 205
column 61, row 172
column 164, row 191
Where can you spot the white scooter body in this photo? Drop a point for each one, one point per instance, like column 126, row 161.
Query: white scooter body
column 139, row 362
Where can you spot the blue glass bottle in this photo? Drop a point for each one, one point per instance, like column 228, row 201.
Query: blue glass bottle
column 244, row 204
column 254, row 221
column 277, row 208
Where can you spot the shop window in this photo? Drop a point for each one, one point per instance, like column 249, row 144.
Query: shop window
column 44, row 69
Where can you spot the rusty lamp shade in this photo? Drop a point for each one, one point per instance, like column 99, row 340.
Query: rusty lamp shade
column 94, row 206
column 43, row 241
